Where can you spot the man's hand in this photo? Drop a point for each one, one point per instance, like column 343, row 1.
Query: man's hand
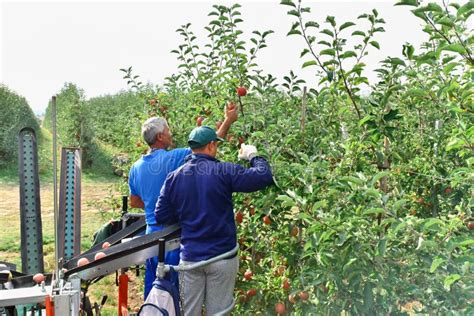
column 247, row 152
column 231, row 113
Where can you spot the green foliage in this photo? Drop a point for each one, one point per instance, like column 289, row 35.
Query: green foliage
column 72, row 122
column 377, row 188
column 15, row 113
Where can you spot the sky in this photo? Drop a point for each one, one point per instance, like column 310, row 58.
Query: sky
column 44, row 44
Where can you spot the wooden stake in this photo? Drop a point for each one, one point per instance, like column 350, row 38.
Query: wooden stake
column 303, row 111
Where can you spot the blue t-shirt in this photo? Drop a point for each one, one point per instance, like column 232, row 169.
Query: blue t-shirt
column 148, row 174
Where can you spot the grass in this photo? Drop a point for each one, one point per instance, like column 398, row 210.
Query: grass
column 99, row 198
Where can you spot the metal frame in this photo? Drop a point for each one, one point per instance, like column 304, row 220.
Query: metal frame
column 30, row 204
column 69, row 226
column 125, row 254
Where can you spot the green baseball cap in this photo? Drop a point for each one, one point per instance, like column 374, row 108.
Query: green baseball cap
column 201, row 136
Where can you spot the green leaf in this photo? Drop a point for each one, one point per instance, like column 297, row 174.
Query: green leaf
column 324, row 43
column 352, row 179
column 417, row 92
column 375, row 44
column 319, row 205
column 450, row 279
column 374, row 210
column 328, row 51
column 293, row 12
column 381, row 247
column 445, row 21
column 408, row 2
column 394, row 61
column 311, row 24
column 365, row 120
column 348, row 54
column 288, row 2
column 293, row 32
column 331, row 20
column 399, row 227
column 309, row 63
column 286, row 200
column 456, row 47
column 467, row 8
column 449, row 67
column 368, row 298
column 399, row 204
column 373, row 193
column 455, row 143
column 360, row 33
column 378, row 176
column 346, row 25
column 304, row 52
column 432, row 7
column 392, row 115
column 466, row 242
column 431, row 222
column 327, row 32
column 435, row 264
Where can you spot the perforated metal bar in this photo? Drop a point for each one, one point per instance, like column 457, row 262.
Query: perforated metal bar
column 70, row 204
column 30, row 205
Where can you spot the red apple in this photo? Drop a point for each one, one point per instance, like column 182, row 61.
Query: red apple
column 239, row 217
column 248, row 275
column 280, row 308
column 251, row 292
column 470, row 225
column 99, row 255
column 286, row 284
column 105, row 245
column 267, row 220
column 303, row 295
column 294, row 231
column 82, row 262
column 241, row 91
column 38, row 278
column 199, row 120
column 152, row 102
column 280, row 271
column 252, row 210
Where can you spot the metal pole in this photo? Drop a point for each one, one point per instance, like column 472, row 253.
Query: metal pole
column 55, row 189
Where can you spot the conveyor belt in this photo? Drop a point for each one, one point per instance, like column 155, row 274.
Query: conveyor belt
column 130, row 231
column 123, row 255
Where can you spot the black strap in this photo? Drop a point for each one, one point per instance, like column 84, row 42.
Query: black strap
column 162, row 310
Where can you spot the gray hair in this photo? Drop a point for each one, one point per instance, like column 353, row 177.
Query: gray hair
column 152, row 127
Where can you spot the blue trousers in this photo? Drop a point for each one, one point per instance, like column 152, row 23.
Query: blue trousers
column 171, row 257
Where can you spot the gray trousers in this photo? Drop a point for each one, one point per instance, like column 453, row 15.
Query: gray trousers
column 212, row 284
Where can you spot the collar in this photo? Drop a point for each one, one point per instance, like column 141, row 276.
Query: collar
column 151, row 151
column 199, row 156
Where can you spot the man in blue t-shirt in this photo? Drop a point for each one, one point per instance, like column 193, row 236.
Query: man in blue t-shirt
column 198, row 196
column 148, row 174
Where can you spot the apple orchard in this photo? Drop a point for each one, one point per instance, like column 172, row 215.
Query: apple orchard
column 371, row 210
